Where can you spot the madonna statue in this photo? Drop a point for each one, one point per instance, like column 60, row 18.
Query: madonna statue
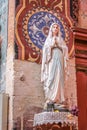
column 54, row 64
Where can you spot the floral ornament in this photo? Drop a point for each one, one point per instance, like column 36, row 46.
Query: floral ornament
column 74, row 110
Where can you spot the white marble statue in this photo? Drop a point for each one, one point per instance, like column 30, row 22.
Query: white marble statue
column 54, row 63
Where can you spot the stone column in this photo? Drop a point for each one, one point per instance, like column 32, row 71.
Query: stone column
column 80, row 37
column 10, row 63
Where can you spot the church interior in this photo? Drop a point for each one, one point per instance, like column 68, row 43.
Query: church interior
column 24, row 26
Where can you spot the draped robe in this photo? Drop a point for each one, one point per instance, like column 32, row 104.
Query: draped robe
column 54, row 63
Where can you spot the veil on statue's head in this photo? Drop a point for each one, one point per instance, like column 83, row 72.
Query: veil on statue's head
column 50, row 30
column 50, row 35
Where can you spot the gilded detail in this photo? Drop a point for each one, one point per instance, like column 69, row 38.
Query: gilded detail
column 58, row 5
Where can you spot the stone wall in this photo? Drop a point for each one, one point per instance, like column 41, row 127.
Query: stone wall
column 28, row 92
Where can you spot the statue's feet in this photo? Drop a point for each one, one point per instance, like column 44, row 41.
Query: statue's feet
column 62, row 104
column 49, row 105
column 45, row 104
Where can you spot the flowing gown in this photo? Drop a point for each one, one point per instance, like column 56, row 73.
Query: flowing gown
column 52, row 72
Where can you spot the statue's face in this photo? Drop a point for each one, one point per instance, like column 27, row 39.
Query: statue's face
column 55, row 29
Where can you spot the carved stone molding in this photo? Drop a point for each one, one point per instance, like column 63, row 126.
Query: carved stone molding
column 80, row 38
column 80, row 34
column 81, row 52
column 82, row 69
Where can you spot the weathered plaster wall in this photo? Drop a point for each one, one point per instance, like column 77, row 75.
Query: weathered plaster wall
column 28, row 91
column 70, row 84
column 82, row 19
